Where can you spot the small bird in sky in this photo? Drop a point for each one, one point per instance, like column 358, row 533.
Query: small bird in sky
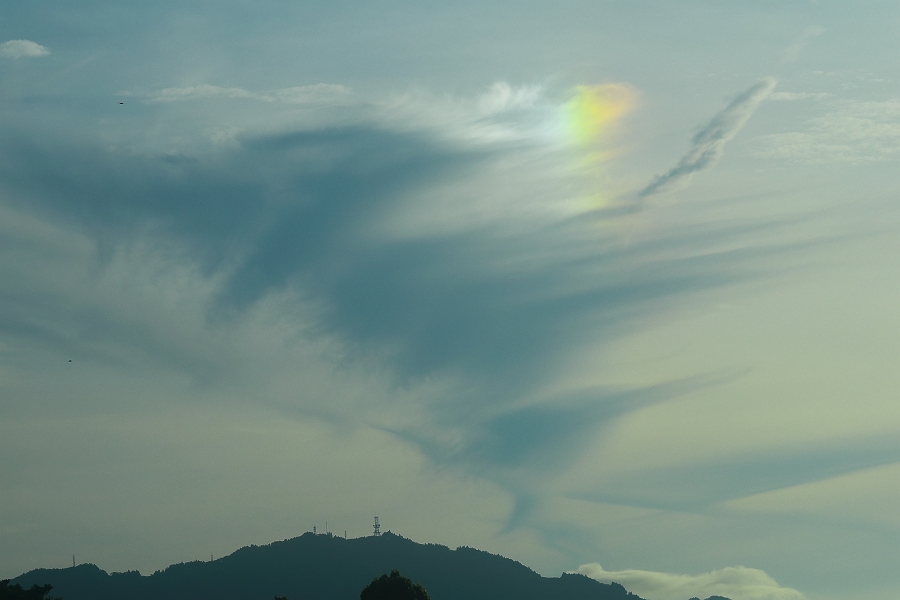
column 121, row 103
column 70, row 360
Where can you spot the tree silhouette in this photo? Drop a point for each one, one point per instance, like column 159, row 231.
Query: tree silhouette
column 17, row 592
column 393, row 587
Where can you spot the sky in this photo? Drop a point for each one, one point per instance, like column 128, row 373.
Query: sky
column 609, row 287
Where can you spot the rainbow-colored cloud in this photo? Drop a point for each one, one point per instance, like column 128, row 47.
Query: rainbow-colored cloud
column 589, row 120
column 594, row 111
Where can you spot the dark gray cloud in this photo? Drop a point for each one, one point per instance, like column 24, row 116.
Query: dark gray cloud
column 709, row 143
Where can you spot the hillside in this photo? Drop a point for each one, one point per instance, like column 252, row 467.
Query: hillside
column 324, row 567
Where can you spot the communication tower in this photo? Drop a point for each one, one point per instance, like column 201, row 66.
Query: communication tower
column 377, row 527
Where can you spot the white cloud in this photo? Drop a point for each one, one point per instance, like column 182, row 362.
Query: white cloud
column 737, row 583
column 851, row 131
column 502, row 97
column 502, row 114
column 22, row 49
column 195, row 92
column 306, row 94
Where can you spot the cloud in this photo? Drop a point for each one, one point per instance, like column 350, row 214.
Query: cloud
column 737, row 583
column 697, row 486
column 502, row 97
column 709, row 143
column 453, row 279
column 792, row 96
column 22, row 49
column 848, row 131
column 305, row 94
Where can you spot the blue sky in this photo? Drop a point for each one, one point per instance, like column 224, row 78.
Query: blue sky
column 609, row 286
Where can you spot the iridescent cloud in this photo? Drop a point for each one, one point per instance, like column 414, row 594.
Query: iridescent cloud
column 594, row 111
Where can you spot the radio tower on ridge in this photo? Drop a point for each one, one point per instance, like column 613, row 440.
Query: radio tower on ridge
column 377, row 527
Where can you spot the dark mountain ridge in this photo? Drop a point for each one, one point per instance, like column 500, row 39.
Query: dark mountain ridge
column 326, row 567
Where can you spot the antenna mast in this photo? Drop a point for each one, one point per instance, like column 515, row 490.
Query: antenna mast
column 377, row 527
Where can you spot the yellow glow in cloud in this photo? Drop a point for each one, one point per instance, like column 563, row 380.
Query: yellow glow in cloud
column 595, row 109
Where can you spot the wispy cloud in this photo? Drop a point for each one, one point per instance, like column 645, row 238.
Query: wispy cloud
column 697, row 486
column 456, row 275
column 502, row 97
column 305, row 94
column 737, row 583
column 709, row 143
column 793, row 96
column 845, row 131
column 22, row 49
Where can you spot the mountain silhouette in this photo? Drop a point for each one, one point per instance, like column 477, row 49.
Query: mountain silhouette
column 326, row 567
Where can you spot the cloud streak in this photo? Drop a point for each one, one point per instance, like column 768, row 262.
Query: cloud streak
column 696, row 487
column 305, row 94
column 709, row 143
